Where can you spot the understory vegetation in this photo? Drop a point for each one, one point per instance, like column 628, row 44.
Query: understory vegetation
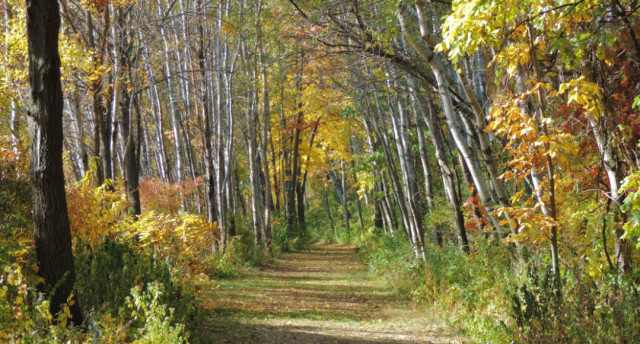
column 485, row 299
column 144, row 281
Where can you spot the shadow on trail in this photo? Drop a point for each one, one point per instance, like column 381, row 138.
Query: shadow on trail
column 226, row 332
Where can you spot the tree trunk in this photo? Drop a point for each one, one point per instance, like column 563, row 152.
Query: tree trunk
column 326, row 199
column 605, row 132
column 394, row 187
column 291, row 180
column 453, row 122
column 52, row 233
column 426, row 170
column 124, row 79
column 266, row 137
column 382, row 219
column 105, row 118
column 399, row 122
column 446, row 172
column 83, row 156
column 345, row 209
column 206, row 118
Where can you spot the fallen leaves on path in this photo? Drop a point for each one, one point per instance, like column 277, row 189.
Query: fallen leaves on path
column 323, row 295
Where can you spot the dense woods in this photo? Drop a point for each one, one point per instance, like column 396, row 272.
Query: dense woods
column 483, row 155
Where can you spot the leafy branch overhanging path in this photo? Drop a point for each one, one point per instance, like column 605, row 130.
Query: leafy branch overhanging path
column 323, row 295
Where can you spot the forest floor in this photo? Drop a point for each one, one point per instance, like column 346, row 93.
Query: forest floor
column 323, row 295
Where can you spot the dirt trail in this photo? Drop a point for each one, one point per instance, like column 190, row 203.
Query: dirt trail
column 321, row 296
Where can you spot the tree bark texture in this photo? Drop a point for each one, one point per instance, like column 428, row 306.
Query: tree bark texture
column 51, row 220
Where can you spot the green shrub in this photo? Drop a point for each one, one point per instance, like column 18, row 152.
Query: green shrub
column 606, row 310
column 240, row 252
column 469, row 290
column 393, row 258
column 284, row 243
column 536, row 298
column 222, row 267
column 107, row 274
column 153, row 318
column 279, row 236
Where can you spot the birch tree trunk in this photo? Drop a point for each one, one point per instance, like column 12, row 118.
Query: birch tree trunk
column 266, row 129
column 399, row 122
column 453, row 121
column 425, row 110
column 605, row 131
column 426, row 170
column 206, row 117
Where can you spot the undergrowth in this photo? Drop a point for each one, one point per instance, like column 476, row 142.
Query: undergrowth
column 492, row 299
column 241, row 252
column 138, row 280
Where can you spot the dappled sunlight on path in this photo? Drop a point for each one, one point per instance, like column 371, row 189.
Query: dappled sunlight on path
column 320, row 296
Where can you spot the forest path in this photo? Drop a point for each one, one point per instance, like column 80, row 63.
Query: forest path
column 323, row 295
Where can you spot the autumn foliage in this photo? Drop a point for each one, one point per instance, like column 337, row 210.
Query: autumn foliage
column 484, row 155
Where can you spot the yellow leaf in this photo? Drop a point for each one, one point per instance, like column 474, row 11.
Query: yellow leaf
column 24, row 239
column 576, row 18
column 507, row 175
column 563, row 87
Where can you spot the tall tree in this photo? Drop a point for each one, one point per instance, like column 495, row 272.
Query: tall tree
column 51, row 220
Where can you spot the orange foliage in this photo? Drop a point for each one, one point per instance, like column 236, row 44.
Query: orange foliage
column 182, row 238
column 155, row 195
